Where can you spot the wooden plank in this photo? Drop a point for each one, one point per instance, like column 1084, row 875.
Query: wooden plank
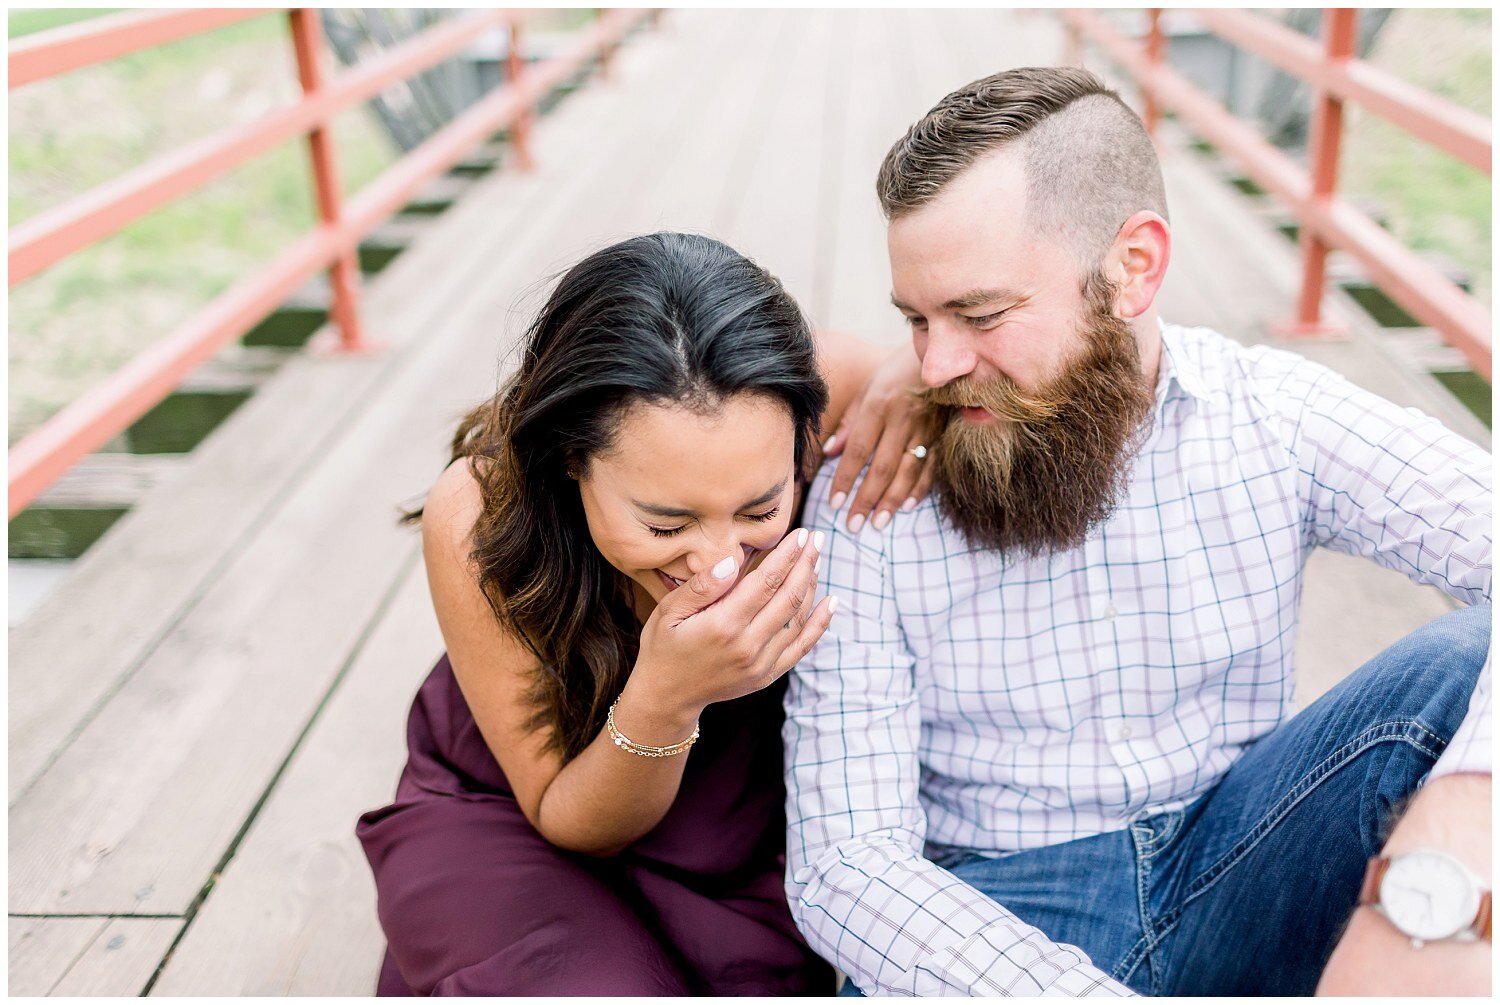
column 86, row 956
column 294, row 911
column 774, row 222
column 237, row 368
column 43, row 949
column 856, row 271
column 719, row 135
column 105, row 481
column 156, row 563
column 139, row 809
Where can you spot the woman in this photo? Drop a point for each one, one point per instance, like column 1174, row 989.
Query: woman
column 615, row 574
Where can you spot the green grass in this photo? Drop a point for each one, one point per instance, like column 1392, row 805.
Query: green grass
column 26, row 22
column 1433, row 202
column 79, row 321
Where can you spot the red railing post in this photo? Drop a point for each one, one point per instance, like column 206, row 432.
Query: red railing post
column 606, row 52
column 343, row 274
column 1154, row 52
column 520, row 130
column 1339, row 25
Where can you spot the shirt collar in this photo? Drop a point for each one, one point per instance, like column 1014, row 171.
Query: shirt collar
column 1178, row 365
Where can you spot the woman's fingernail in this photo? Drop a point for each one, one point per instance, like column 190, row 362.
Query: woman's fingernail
column 909, row 505
column 817, row 564
column 818, row 539
column 833, row 604
column 856, row 522
column 828, row 443
column 837, row 502
column 882, row 518
column 725, row 568
column 801, row 536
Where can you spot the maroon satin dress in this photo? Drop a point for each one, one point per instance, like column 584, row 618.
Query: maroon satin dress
column 474, row 901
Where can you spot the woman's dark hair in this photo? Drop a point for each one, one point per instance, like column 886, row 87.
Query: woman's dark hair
column 664, row 318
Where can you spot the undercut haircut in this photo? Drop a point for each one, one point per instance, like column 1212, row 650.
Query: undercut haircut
column 1088, row 161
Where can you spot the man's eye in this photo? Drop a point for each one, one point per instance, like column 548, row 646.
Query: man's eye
column 665, row 531
column 987, row 320
column 915, row 322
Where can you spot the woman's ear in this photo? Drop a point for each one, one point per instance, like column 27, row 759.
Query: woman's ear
column 1138, row 262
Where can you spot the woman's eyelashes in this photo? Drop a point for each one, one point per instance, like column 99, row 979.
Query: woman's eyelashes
column 672, row 531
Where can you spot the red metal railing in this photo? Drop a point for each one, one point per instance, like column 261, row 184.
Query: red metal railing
column 82, row 427
column 1326, row 221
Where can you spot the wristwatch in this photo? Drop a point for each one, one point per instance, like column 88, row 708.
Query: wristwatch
column 1428, row 896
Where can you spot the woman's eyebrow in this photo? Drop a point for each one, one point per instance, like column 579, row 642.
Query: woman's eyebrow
column 759, row 500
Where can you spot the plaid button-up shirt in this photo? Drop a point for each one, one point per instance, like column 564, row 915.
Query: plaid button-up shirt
column 1000, row 706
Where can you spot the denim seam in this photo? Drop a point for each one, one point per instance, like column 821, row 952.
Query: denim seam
column 1395, row 730
column 1142, row 896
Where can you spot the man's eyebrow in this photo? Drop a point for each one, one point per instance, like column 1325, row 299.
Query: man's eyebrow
column 759, row 500
column 973, row 298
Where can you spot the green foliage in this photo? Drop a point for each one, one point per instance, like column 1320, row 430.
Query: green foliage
column 82, row 319
column 25, row 22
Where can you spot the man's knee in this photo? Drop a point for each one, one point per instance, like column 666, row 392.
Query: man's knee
column 1434, row 669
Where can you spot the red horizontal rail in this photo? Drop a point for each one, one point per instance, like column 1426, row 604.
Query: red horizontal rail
column 1423, row 291
column 98, row 40
column 1427, row 116
column 88, row 423
column 54, row 234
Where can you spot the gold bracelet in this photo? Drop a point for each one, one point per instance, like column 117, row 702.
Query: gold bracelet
column 644, row 749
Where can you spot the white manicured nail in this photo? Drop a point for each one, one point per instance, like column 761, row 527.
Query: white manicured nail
column 838, row 500
column 881, row 519
column 818, row 538
column 725, row 568
column 909, row 505
column 833, row 604
column 856, row 522
column 801, row 537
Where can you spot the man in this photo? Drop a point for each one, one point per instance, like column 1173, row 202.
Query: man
column 1047, row 744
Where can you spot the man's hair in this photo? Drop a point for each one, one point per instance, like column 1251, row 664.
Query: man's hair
column 1089, row 163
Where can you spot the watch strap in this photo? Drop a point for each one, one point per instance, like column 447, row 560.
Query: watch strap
column 1369, row 894
column 1369, row 891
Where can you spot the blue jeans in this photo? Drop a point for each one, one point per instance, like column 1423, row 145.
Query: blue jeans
column 1246, row 890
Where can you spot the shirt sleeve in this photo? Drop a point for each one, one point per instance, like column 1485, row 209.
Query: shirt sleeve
column 1397, row 486
column 1389, row 483
column 858, row 885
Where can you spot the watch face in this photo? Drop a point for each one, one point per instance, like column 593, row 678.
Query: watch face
column 1428, row 895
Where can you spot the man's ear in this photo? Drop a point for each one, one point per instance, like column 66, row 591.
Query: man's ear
column 1138, row 262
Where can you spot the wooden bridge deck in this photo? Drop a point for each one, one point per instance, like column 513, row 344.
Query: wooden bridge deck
column 200, row 712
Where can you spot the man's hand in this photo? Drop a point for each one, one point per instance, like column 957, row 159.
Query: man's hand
column 1450, row 814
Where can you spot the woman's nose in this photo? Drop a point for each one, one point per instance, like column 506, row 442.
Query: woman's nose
column 714, row 547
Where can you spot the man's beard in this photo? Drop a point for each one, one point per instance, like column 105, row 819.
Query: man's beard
column 1054, row 463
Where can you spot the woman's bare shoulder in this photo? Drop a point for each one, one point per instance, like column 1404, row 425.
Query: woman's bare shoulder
column 494, row 668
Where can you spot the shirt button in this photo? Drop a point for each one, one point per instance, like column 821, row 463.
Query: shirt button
column 1110, row 612
column 1123, row 733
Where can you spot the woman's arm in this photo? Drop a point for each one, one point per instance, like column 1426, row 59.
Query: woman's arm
column 606, row 798
column 878, row 418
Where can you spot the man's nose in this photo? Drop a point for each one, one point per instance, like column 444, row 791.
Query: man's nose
column 947, row 358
